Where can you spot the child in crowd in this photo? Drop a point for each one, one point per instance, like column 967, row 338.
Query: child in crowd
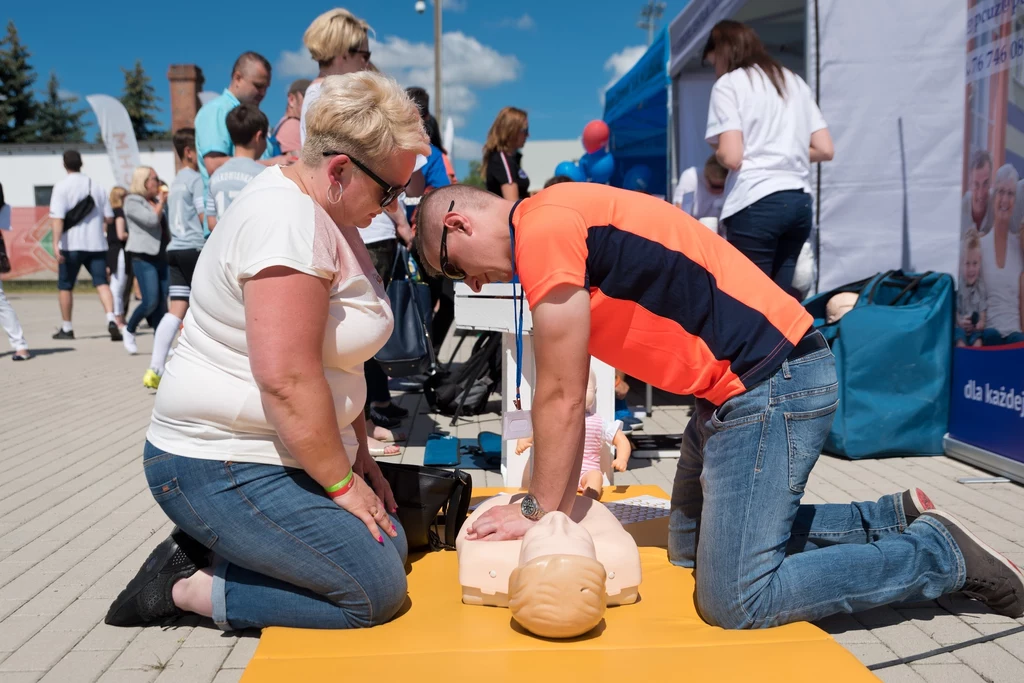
column 970, row 297
column 248, row 127
column 702, row 197
column 598, row 432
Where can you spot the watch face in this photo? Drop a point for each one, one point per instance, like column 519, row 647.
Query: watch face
column 530, row 507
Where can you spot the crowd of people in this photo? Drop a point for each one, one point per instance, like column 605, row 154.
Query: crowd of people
column 261, row 446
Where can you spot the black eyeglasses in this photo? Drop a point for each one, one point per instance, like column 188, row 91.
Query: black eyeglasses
column 449, row 269
column 390, row 191
column 364, row 53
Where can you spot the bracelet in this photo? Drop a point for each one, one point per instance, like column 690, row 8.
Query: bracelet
column 342, row 487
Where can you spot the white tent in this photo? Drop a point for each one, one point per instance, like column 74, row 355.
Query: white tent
column 889, row 78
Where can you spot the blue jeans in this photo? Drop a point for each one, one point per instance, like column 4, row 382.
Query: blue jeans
column 991, row 337
column 284, row 553
column 771, row 231
column 761, row 558
column 94, row 261
column 154, row 281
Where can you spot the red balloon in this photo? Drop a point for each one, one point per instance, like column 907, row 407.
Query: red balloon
column 595, row 136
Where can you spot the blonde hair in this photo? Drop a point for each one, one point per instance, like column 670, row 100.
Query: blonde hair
column 334, row 33
column 117, row 196
column 558, row 596
column 139, row 177
column 508, row 124
column 363, row 114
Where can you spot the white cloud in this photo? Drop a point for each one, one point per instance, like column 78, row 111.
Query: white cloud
column 66, row 94
column 469, row 150
column 466, row 66
column 296, row 64
column 523, row 23
column 619, row 65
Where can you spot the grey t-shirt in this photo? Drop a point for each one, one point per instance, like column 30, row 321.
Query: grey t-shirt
column 184, row 205
column 227, row 181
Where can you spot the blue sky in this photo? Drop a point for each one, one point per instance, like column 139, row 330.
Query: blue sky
column 550, row 57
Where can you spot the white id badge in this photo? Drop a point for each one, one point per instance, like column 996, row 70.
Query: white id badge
column 516, row 424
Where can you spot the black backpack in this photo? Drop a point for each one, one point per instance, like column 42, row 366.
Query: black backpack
column 466, row 390
column 77, row 213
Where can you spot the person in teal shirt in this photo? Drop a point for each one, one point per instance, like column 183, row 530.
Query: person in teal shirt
column 250, row 78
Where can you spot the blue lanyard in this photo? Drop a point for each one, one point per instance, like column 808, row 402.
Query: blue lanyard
column 517, row 315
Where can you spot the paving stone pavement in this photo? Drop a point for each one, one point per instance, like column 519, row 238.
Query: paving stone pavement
column 77, row 520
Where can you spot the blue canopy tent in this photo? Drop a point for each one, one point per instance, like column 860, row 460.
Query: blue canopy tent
column 637, row 114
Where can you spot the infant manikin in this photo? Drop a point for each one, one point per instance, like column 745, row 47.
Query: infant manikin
column 597, row 433
column 589, row 531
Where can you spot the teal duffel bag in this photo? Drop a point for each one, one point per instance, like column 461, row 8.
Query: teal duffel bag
column 893, row 354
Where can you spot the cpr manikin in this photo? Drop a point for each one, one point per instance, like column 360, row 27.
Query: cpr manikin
column 558, row 549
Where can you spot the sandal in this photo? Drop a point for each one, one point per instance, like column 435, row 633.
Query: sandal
column 17, row 357
column 382, row 451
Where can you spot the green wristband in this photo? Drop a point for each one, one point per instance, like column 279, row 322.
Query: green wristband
column 341, row 484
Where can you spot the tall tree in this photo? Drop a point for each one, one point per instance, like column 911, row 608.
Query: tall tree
column 17, row 103
column 475, row 176
column 56, row 119
column 140, row 100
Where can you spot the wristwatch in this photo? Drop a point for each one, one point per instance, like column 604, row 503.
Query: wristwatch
column 530, row 508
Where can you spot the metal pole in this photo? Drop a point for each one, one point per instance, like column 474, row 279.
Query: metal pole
column 437, row 63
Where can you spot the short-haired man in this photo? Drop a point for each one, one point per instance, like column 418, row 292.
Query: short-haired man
column 288, row 132
column 247, row 126
column 250, row 78
column 976, row 206
column 185, row 216
column 637, row 283
column 83, row 243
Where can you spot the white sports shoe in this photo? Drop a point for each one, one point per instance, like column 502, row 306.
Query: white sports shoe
column 129, row 342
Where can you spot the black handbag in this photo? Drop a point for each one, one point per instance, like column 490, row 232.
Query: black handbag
column 5, row 262
column 409, row 351
column 432, row 502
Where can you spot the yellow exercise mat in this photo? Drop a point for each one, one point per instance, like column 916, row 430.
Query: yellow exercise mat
column 660, row 638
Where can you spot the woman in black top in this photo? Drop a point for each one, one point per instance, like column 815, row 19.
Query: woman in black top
column 502, row 159
column 119, row 266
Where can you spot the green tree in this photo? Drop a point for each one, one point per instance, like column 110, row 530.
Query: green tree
column 57, row 120
column 475, row 177
column 140, row 100
column 17, row 103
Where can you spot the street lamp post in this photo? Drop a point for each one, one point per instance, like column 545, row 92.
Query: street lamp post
column 437, row 62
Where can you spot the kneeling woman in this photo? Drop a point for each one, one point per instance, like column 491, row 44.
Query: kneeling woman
column 257, row 448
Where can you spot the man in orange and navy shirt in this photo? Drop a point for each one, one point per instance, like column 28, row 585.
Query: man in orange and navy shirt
column 637, row 283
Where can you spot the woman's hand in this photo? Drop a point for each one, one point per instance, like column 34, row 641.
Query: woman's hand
column 362, row 502
column 368, row 468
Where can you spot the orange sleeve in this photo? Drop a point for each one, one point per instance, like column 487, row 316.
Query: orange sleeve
column 551, row 250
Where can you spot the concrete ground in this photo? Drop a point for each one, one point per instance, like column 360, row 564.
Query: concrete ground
column 77, row 520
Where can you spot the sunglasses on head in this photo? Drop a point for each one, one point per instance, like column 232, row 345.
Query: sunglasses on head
column 449, row 269
column 390, row 191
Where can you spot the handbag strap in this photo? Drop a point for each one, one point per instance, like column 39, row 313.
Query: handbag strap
column 400, row 255
column 461, row 496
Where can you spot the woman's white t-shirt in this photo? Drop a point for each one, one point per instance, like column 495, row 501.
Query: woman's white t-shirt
column 1002, row 284
column 776, row 134
column 209, row 406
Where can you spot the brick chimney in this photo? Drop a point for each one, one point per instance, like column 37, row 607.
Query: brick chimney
column 186, row 84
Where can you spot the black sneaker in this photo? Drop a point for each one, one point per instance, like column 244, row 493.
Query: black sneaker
column 147, row 598
column 991, row 578
column 383, row 420
column 61, row 334
column 915, row 503
column 115, row 334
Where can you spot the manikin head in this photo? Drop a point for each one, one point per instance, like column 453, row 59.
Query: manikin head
column 558, row 589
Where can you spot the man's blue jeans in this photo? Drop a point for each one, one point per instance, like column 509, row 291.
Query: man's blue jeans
column 285, row 553
column 761, row 559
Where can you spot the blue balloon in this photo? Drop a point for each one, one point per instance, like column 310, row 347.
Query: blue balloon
column 585, row 164
column 637, row 178
column 602, row 167
column 571, row 170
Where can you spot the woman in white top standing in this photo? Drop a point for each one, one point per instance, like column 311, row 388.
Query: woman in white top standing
column 257, row 448
column 1002, row 266
column 767, row 130
column 8, row 318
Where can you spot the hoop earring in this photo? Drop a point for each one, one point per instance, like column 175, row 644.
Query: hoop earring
column 334, row 200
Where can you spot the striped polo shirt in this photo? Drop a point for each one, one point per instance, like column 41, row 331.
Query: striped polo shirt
column 671, row 303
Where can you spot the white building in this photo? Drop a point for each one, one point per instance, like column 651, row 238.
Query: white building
column 29, row 171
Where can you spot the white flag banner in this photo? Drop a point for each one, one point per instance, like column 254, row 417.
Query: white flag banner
column 207, row 95
column 118, row 136
column 448, row 139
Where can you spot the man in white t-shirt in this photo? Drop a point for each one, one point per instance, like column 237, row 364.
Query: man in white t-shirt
column 82, row 244
column 702, row 197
